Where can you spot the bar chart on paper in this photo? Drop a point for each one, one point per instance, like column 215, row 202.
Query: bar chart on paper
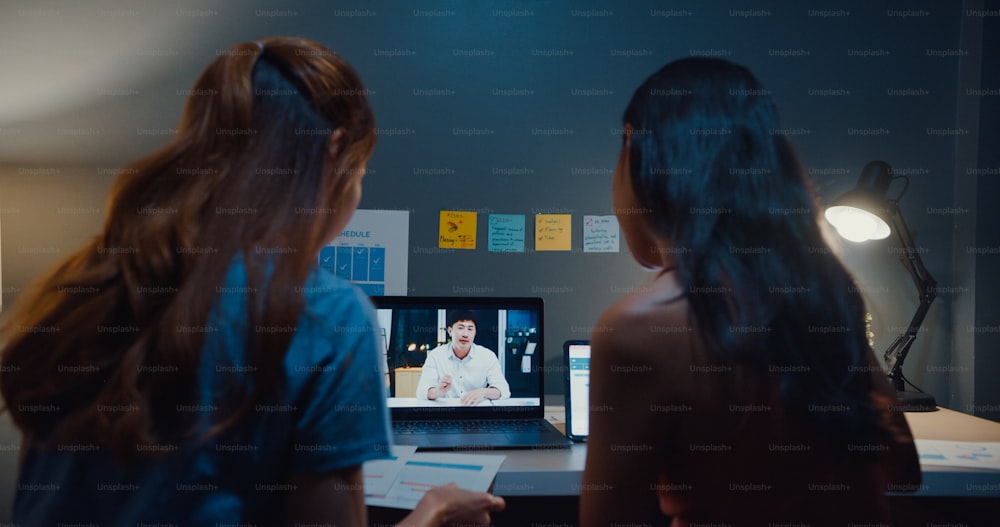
column 982, row 455
column 403, row 479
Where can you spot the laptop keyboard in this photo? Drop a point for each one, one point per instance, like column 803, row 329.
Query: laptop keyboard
column 465, row 426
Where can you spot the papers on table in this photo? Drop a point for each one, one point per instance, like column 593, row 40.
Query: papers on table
column 983, row 455
column 379, row 475
column 400, row 481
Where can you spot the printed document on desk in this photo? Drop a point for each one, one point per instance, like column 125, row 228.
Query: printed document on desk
column 970, row 454
column 379, row 475
column 401, row 481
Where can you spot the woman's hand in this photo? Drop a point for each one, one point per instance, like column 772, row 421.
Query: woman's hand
column 449, row 505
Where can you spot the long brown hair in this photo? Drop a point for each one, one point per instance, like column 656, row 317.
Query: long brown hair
column 106, row 345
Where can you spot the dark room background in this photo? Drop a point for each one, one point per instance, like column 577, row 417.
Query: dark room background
column 515, row 108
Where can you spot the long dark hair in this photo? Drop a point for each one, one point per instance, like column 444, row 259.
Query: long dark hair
column 725, row 187
column 248, row 176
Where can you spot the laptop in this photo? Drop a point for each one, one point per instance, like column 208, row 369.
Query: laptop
column 508, row 331
column 576, row 364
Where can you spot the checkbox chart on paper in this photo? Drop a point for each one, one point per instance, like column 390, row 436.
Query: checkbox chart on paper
column 372, row 252
column 365, row 266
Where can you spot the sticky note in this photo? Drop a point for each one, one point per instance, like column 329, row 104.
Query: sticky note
column 552, row 232
column 457, row 230
column 600, row 234
column 506, row 233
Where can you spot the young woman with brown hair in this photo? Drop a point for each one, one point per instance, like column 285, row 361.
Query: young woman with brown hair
column 192, row 365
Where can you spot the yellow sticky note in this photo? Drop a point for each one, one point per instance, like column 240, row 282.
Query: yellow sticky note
column 553, row 233
column 457, row 230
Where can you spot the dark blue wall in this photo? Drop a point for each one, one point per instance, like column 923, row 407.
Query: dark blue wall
column 987, row 323
column 546, row 83
column 514, row 107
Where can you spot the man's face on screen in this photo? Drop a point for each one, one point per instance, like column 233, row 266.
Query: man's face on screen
column 463, row 334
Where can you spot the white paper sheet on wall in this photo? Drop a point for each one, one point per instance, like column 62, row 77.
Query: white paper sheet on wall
column 600, row 234
column 372, row 252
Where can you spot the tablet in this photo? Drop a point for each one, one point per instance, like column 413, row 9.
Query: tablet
column 576, row 362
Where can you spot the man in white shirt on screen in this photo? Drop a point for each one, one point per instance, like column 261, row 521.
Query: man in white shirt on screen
column 461, row 368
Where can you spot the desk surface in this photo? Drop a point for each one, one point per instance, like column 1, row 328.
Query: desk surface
column 559, row 472
column 949, row 425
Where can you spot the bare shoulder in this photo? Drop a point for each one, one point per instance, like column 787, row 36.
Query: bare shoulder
column 649, row 326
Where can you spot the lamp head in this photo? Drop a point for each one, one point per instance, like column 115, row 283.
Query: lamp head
column 864, row 213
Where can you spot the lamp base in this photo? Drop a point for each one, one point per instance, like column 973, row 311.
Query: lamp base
column 916, row 402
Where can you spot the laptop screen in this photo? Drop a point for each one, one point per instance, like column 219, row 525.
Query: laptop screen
column 577, row 362
column 441, row 352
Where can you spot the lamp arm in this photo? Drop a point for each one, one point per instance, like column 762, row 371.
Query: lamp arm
column 896, row 352
column 926, row 287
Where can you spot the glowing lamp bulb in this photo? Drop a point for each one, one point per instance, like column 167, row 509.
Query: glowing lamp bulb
column 857, row 225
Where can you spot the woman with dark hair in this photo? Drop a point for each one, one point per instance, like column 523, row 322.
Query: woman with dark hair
column 738, row 386
column 192, row 365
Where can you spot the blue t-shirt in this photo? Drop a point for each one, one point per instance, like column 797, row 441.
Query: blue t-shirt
column 332, row 415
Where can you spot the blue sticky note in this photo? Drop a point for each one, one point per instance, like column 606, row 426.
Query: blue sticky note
column 506, row 233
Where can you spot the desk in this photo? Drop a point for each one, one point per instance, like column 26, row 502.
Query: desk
column 559, row 472
column 949, row 425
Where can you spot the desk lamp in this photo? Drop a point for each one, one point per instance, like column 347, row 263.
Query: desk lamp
column 866, row 213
